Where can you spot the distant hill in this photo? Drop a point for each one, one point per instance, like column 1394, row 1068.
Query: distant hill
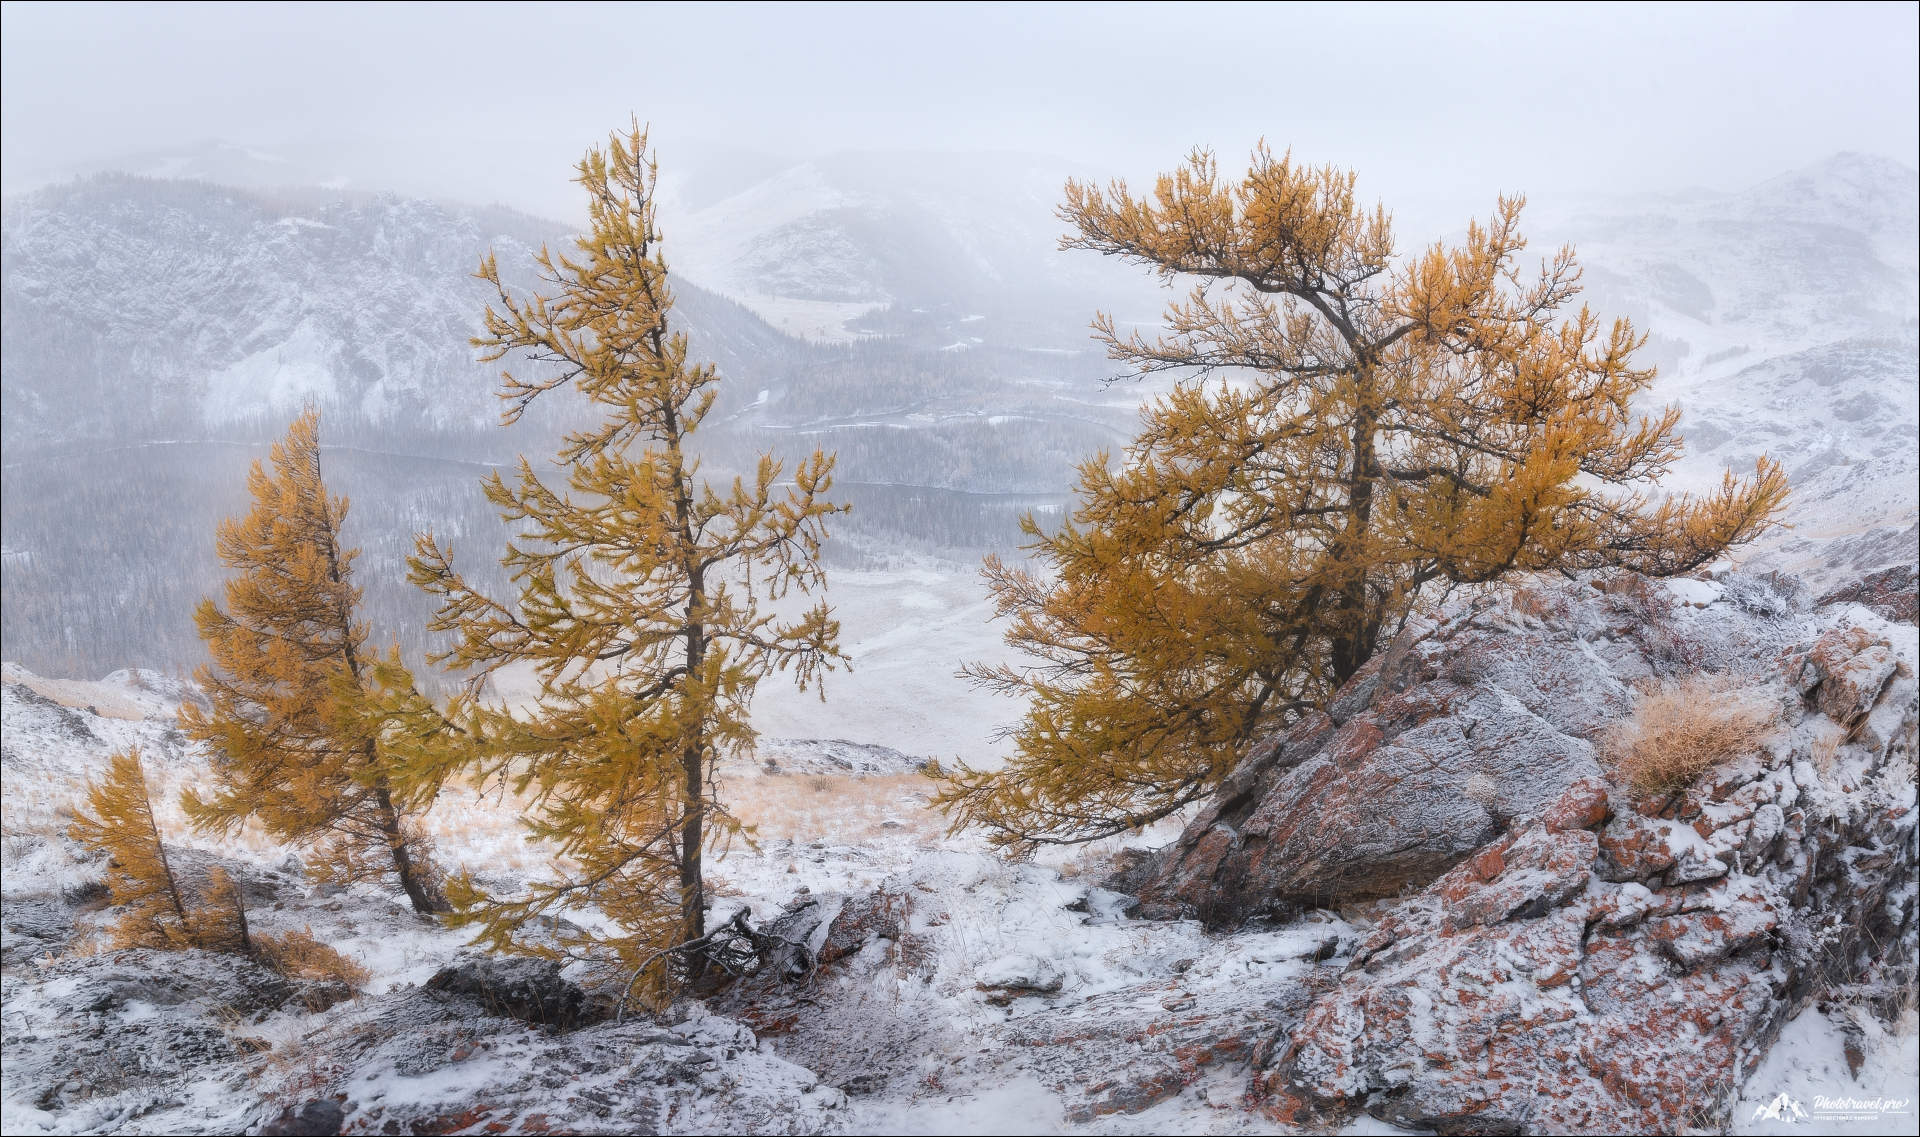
column 157, row 333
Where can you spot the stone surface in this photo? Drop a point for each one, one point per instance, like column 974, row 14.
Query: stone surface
column 1626, row 980
column 1474, row 719
column 1893, row 592
column 1848, row 669
column 531, row 990
column 862, row 920
column 312, row 1119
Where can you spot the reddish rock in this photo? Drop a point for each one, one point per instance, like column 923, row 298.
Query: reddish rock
column 862, row 920
column 1582, row 806
column 1531, row 872
column 1848, row 669
column 1516, row 994
column 1570, row 964
column 1893, row 593
column 1457, row 731
column 1134, row 1091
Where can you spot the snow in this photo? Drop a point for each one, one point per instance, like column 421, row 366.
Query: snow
column 1809, row 1064
column 1698, row 593
column 908, row 631
column 1011, row 955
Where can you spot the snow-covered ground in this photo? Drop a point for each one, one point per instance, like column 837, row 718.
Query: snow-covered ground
column 1810, row 1064
column 1025, row 993
column 907, row 632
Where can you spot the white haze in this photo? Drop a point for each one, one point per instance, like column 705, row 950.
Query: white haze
column 879, row 181
column 487, row 102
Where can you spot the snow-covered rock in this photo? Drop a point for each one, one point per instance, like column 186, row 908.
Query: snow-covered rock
column 1603, row 961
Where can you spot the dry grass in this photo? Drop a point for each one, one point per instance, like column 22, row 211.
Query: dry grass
column 1680, row 730
column 1825, row 750
column 842, row 809
column 297, row 955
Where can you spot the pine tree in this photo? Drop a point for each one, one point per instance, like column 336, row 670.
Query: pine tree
column 1351, row 430
column 639, row 595
column 292, row 741
column 155, row 911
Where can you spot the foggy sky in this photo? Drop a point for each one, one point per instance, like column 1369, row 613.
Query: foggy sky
column 493, row 102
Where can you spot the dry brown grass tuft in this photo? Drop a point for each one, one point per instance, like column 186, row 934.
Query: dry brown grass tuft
column 842, row 809
column 1679, row 730
column 297, row 955
column 1826, row 749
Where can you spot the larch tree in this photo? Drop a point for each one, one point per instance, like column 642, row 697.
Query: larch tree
column 157, row 909
column 119, row 822
column 1350, row 430
column 639, row 597
column 293, row 744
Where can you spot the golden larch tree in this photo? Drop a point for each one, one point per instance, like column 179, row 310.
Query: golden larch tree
column 292, row 742
column 158, row 910
column 639, row 596
column 119, row 822
column 1350, row 429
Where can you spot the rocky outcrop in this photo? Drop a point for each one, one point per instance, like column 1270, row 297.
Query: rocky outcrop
column 1474, row 718
column 1893, row 592
column 1579, row 957
column 106, row 1039
column 134, row 1041
column 1625, row 979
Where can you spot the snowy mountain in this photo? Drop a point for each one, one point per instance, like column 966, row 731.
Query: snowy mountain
column 158, row 333
column 138, row 309
column 975, row 231
column 910, row 312
column 1783, row 319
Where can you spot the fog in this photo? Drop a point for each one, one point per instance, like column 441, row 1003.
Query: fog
column 491, row 102
column 858, row 206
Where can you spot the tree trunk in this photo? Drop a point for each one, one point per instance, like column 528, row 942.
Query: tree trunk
column 160, row 852
column 1352, row 646
column 693, row 913
column 240, row 916
column 409, row 873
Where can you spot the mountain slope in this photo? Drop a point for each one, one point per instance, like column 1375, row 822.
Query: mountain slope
column 1783, row 318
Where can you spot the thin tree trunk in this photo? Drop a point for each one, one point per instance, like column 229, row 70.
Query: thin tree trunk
column 1352, row 646
column 387, row 818
column 160, row 851
column 240, row 915
column 692, row 836
column 693, row 915
column 403, row 866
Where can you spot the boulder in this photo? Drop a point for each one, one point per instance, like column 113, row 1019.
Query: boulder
column 1474, row 721
column 531, row 990
column 863, row 920
column 1581, row 974
column 1847, row 669
column 1009, row 977
column 312, row 1119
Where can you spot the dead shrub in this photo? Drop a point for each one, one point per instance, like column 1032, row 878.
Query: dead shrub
column 297, row 955
column 1678, row 730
